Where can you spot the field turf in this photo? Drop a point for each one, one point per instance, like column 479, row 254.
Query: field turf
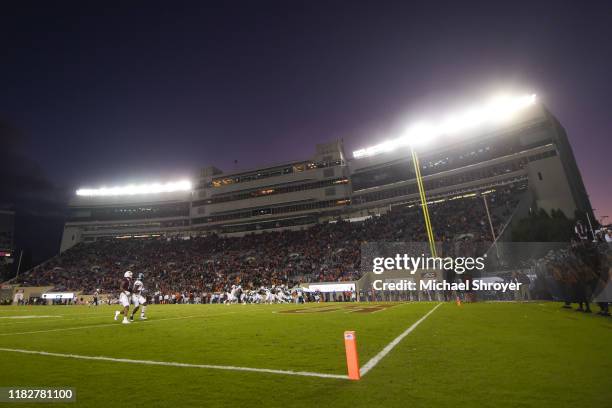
column 482, row 354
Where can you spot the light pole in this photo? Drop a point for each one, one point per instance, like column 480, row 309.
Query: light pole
column 591, row 226
column 19, row 263
column 486, row 204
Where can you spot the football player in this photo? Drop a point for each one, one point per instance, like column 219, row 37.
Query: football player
column 124, row 296
column 270, row 297
column 96, row 298
column 232, row 295
column 280, row 295
column 138, row 299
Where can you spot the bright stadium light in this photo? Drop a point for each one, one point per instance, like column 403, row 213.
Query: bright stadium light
column 497, row 110
column 134, row 189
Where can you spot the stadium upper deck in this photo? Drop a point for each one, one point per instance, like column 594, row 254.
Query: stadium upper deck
column 290, row 194
column 529, row 150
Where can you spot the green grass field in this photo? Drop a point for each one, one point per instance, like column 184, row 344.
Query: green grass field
column 482, row 354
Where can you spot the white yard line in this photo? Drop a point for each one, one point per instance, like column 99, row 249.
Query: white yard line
column 118, row 323
column 28, row 316
column 5, row 324
column 69, row 317
column 376, row 359
column 174, row 364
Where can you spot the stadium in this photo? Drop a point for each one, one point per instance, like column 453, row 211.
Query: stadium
column 349, row 204
column 295, row 243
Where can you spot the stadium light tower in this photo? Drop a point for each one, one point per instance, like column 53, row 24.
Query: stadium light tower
column 497, row 110
column 136, row 189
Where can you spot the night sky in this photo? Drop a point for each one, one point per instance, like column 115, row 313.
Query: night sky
column 115, row 92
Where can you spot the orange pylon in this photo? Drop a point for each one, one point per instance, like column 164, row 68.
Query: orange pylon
column 352, row 359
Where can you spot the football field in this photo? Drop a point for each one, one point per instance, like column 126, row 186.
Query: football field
column 411, row 354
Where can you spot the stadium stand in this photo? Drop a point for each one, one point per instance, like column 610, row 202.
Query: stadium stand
column 325, row 252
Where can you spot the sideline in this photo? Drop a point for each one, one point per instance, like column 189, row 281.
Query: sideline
column 173, row 364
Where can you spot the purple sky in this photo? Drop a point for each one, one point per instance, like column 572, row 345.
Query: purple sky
column 128, row 91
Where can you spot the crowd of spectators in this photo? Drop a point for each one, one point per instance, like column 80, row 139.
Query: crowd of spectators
column 324, row 252
column 579, row 274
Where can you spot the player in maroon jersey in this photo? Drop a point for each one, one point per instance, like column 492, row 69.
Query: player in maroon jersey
column 125, row 296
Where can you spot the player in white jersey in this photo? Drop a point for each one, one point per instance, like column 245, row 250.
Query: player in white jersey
column 138, row 298
column 231, row 295
column 270, row 298
column 236, row 293
column 280, row 295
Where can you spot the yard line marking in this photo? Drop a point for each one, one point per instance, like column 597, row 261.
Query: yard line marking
column 376, row 359
column 5, row 324
column 96, row 325
column 174, row 364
